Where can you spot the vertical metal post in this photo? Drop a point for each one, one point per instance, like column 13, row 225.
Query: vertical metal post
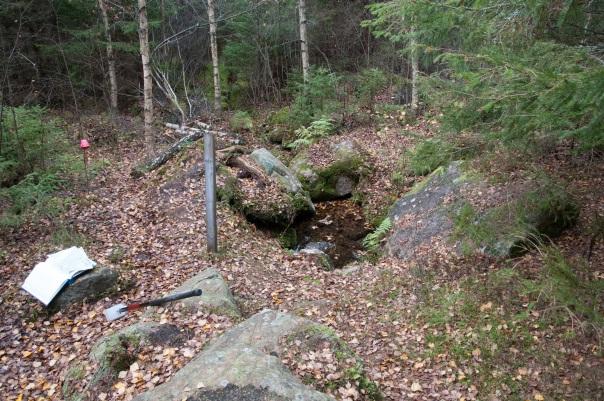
column 209, row 159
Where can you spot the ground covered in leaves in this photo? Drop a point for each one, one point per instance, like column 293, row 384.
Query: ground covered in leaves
column 452, row 328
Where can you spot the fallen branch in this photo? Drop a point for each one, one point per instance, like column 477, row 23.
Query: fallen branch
column 249, row 168
column 191, row 135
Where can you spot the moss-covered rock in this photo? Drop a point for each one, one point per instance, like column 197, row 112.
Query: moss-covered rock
column 541, row 210
column 118, row 351
column 334, row 180
column 276, row 203
column 246, row 357
column 456, row 208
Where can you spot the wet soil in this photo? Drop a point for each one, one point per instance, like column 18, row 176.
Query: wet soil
column 340, row 223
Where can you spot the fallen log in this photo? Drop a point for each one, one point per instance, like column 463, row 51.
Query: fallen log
column 191, row 135
column 249, row 168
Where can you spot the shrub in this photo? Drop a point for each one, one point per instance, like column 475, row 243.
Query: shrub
column 372, row 241
column 429, row 155
column 35, row 161
column 241, row 120
column 30, row 142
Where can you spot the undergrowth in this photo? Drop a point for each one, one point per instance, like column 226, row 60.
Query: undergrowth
column 504, row 322
column 318, row 129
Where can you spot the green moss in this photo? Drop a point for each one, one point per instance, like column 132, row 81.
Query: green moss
column 288, row 238
column 75, row 374
column 324, row 188
column 511, row 229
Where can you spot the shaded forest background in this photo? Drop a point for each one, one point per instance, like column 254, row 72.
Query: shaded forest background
column 523, row 74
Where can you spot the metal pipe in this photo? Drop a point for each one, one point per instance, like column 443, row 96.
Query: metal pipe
column 210, row 175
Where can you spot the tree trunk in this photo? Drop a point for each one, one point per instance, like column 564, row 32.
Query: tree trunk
column 214, row 49
column 303, row 40
column 414, row 75
column 110, row 60
column 143, row 34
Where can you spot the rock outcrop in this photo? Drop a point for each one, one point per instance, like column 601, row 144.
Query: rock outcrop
column 276, row 199
column 242, row 364
column 215, row 296
column 441, row 212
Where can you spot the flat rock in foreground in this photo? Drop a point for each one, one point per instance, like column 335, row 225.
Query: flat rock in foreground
column 241, row 365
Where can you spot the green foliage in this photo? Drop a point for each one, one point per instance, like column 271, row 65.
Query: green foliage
column 560, row 290
column 279, row 117
column 429, row 155
column 370, row 81
column 30, row 143
column 314, row 99
column 372, row 241
column 318, row 129
column 35, row 161
column 240, row 121
column 513, row 70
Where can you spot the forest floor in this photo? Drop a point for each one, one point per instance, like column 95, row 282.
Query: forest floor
column 449, row 329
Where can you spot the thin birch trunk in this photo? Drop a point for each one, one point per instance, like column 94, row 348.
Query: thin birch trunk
column 143, row 33
column 414, row 75
column 214, row 49
column 303, row 40
column 110, row 60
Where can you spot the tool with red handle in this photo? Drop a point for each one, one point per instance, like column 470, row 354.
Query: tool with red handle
column 120, row 310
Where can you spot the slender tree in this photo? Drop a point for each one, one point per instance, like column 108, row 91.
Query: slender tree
column 414, row 71
column 110, row 59
column 143, row 33
column 303, row 39
column 214, row 50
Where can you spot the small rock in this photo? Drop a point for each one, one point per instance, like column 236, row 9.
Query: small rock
column 91, row 285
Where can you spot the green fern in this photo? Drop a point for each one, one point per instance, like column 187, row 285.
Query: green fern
column 318, row 129
column 372, row 241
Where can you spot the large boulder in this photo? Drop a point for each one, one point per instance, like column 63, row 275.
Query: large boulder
column 90, row 286
column 242, row 364
column 276, row 199
column 277, row 170
column 216, row 295
column 454, row 210
column 333, row 178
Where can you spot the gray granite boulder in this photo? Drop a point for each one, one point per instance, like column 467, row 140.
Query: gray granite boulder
column 438, row 215
column 420, row 219
column 215, row 296
column 91, row 286
column 242, row 364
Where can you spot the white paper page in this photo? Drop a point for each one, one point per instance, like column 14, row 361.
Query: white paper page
column 44, row 282
column 71, row 261
column 47, row 278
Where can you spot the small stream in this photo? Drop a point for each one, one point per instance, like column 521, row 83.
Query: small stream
column 337, row 229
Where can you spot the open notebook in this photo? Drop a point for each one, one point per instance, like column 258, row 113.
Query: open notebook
column 48, row 277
